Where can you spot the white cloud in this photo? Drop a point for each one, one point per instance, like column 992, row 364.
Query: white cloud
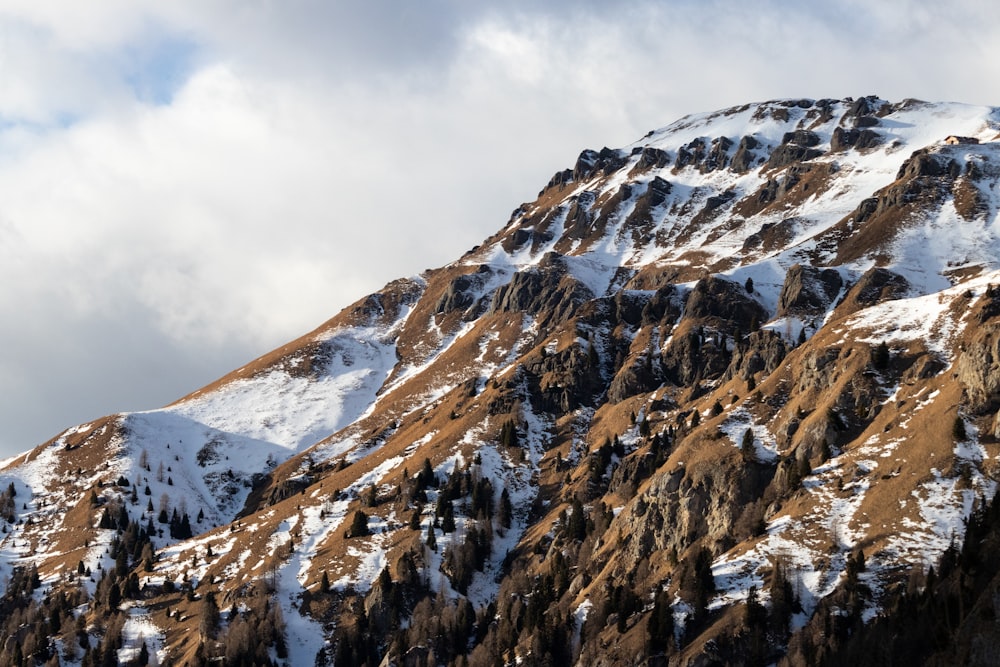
column 186, row 184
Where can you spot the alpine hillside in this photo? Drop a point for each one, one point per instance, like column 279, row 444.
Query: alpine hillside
column 726, row 395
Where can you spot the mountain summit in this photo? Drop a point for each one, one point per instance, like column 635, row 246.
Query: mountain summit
column 721, row 396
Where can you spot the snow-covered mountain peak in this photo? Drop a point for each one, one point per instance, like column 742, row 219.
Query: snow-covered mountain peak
column 749, row 359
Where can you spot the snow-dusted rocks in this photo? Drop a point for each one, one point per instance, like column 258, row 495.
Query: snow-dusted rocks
column 739, row 351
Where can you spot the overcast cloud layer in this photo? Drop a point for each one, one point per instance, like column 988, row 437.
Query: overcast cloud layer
column 185, row 185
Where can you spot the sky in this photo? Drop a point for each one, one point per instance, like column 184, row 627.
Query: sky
column 187, row 185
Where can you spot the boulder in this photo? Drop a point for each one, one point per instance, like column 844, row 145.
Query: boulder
column 808, row 290
column 787, row 154
column 805, row 138
column 744, row 158
column 719, row 299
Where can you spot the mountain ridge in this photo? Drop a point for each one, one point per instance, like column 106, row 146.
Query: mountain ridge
column 727, row 343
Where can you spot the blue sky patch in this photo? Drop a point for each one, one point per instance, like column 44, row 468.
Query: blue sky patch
column 156, row 70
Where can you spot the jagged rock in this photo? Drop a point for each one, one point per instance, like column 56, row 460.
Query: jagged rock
column 775, row 189
column 719, row 299
column 925, row 163
column 979, row 368
column 631, row 471
column 878, row 285
column 718, row 156
column 547, row 288
column 925, row 367
column 818, row 369
column 385, row 305
column 844, row 138
column 592, row 163
column 761, row 351
column 688, row 359
column 665, row 307
column 559, row 179
column 716, row 201
column 652, row 158
column 558, row 383
column 460, row 294
column 744, row 158
column 806, row 138
column 787, row 154
column 517, row 240
column 657, row 191
column 628, row 306
column 865, row 106
column 808, row 290
column 693, row 153
column 640, row 377
column 580, row 216
column 684, row 503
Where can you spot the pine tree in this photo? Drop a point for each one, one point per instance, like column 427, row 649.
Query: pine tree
column 359, row 525
column 448, row 518
column 209, row 623
column 506, row 513
column 431, row 538
column 660, row 626
column 958, row 429
column 880, row 356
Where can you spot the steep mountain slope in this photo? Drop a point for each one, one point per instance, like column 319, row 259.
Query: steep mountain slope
column 705, row 393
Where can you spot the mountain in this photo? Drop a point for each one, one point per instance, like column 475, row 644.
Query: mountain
column 720, row 396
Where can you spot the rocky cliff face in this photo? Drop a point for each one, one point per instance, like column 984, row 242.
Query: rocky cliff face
column 706, row 394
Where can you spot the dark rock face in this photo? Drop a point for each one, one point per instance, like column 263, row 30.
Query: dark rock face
column 657, row 191
column 665, row 307
column 632, row 470
column 979, row 369
column 878, row 285
column 718, row 156
column 561, row 382
column 559, row 179
column 808, row 290
column 744, row 158
column 787, row 154
column 689, row 502
column 639, row 377
column 924, row 163
column 805, row 138
column 819, row 369
column 462, row 291
column 761, row 351
column 546, row 289
column 721, row 305
column 652, row 158
column 865, row 106
column 717, row 299
column 693, row 153
column 594, row 163
column 704, row 156
column 862, row 139
column 719, row 200
column 692, row 357
column 579, row 216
